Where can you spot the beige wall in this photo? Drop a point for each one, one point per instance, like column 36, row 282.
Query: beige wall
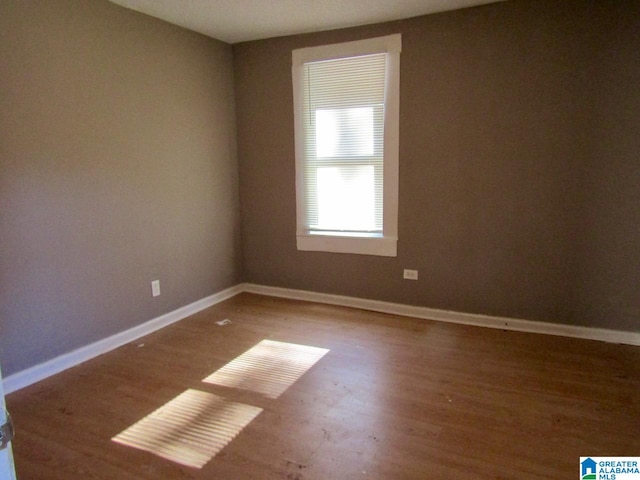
column 117, row 167
column 519, row 165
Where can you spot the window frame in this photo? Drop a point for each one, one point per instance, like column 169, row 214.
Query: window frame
column 384, row 244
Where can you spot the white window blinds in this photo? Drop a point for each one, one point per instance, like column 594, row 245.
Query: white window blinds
column 343, row 122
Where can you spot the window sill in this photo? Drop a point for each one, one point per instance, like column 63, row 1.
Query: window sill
column 359, row 245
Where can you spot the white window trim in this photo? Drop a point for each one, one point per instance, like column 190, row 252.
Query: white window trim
column 385, row 244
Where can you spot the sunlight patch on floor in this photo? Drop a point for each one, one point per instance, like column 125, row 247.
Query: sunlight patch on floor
column 190, row 429
column 268, row 368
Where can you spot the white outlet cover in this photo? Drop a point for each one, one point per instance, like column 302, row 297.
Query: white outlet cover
column 410, row 274
column 155, row 288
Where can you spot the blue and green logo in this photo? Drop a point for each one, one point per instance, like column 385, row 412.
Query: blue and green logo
column 588, row 469
column 610, row 468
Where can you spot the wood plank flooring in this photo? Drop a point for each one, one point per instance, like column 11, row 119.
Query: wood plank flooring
column 394, row 398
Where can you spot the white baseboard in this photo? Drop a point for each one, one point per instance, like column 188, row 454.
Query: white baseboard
column 39, row 372
column 504, row 323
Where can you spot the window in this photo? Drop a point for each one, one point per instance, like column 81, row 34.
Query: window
column 346, row 105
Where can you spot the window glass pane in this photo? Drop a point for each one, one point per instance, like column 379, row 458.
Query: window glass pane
column 346, row 198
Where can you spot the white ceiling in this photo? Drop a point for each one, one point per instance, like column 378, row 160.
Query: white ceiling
column 234, row 21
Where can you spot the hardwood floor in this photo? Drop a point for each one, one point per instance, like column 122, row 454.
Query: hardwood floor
column 394, row 398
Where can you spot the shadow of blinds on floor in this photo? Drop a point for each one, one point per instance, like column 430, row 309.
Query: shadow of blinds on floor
column 268, row 368
column 190, row 429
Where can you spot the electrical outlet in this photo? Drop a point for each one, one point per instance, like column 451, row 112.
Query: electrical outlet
column 410, row 274
column 155, row 288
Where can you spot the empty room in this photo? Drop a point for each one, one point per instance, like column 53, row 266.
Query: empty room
column 319, row 239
